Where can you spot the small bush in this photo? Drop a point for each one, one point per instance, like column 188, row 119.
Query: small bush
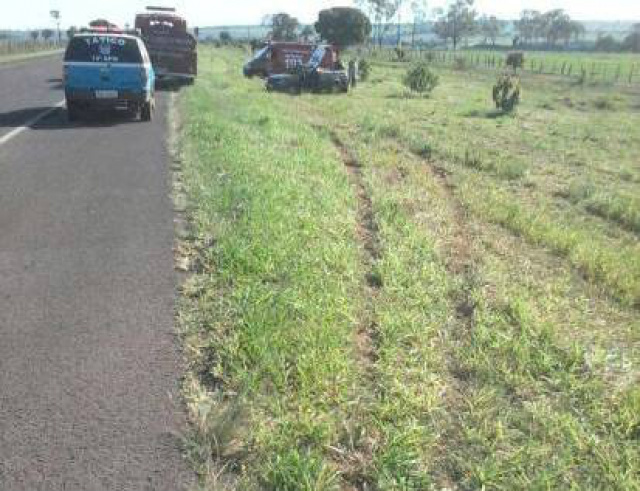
column 430, row 56
column 364, row 69
column 460, row 63
column 604, row 103
column 420, row 79
column 506, row 92
column 515, row 60
column 401, row 54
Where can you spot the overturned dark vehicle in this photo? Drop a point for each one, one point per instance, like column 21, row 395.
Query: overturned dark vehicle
column 312, row 76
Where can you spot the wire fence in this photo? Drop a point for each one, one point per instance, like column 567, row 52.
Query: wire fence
column 10, row 48
column 617, row 69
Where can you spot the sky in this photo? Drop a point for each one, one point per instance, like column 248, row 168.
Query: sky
column 31, row 14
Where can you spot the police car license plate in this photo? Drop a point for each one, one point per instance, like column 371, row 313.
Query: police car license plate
column 106, row 94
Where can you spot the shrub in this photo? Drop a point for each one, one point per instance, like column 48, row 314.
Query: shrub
column 364, row 69
column 515, row 60
column 604, row 103
column 430, row 56
column 582, row 78
column 506, row 92
column 401, row 54
column 420, row 79
column 460, row 63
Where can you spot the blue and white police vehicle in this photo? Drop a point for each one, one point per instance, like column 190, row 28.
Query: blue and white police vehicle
column 104, row 69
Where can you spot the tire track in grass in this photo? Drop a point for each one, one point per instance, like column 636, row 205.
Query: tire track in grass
column 359, row 461
column 461, row 260
column 368, row 235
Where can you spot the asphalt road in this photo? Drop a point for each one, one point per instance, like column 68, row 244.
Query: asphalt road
column 89, row 369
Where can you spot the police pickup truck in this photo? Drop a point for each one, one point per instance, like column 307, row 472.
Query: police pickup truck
column 106, row 70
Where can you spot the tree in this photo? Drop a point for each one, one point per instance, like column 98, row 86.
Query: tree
column 283, row 27
column 343, row 26
column 457, row 23
column 632, row 41
column 529, row 26
column 558, row 26
column 419, row 11
column 382, row 12
column 607, row 44
column 225, row 37
column 490, row 27
column 552, row 26
column 71, row 32
column 307, row 33
column 34, row 35
column 46, row 34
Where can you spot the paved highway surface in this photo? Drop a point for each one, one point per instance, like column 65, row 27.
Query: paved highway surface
column 88, row 362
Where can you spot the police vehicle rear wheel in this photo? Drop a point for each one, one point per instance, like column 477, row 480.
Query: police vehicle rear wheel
column 146, row 113
column 72, row 112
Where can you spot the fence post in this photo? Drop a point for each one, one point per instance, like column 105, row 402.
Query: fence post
column 633, row 67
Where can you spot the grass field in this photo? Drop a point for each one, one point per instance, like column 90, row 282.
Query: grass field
column 400, row 293
column 603, row 68
column 16, row 51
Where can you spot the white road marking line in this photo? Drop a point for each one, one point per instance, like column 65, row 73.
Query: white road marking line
column 13, row 133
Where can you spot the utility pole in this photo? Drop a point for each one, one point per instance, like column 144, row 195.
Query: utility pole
column 55, row 15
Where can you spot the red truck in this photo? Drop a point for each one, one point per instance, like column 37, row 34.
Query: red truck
column 281, row 57
column 172, row 48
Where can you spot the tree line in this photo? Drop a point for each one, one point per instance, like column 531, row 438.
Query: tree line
column 631, row 43
column 548, row 28
column 375, row 21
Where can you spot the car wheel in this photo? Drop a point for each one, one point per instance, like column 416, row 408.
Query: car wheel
column 146, row 113
column 72, row 112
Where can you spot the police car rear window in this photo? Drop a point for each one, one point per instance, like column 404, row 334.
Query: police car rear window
column 103, row 49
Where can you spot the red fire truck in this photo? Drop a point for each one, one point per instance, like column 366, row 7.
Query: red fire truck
column 172, row 48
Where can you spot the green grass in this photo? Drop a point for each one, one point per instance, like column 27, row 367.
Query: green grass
column 11, row 52
column 272, row 322
column 496, row 348
column 621, row 68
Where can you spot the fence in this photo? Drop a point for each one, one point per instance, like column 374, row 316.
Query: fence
column 9, row 48
column 586, row 67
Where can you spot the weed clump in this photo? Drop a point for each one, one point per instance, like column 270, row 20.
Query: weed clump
column 421, row 79
column 460, row 63
column 604, row 103
column 430, row 56
column 364, row 69
column 401, row 54
column 506, row 92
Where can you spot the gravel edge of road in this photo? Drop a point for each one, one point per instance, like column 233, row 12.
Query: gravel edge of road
column 183, row 232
